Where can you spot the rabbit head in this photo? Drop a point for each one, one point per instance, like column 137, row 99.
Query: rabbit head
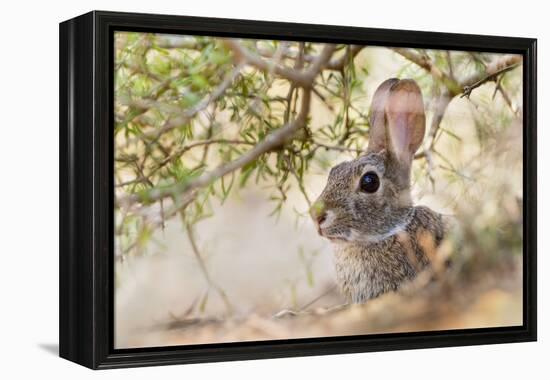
column 368, row 199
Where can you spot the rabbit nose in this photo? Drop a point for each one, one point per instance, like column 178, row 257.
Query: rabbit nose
column 318, row 212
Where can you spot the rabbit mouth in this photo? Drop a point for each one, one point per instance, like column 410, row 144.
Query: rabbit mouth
column 326, row 228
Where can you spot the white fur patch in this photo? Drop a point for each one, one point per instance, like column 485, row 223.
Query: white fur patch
column 331, row 216
column 375, row 238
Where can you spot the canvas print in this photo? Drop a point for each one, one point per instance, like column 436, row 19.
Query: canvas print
column 273, row 190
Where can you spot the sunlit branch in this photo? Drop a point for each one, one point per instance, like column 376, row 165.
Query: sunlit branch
column 453, row 87
column 495, row 69
column 426, row 63
column 274, row 140
column 301, row 78
column 178, row 153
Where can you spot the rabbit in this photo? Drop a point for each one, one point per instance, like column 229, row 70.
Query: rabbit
column 380, row 239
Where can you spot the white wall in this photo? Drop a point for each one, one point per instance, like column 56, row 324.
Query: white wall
column 29, row 190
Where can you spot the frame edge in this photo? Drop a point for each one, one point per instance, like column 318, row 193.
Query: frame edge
column 76, row 82
column 82, row 136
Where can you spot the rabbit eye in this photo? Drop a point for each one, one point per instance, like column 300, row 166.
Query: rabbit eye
column 369, row 182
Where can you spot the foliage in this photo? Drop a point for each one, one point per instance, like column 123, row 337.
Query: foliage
column 198, row 118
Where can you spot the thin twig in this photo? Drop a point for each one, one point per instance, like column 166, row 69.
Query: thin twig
column 204, row 269
column 275, row 139
column 298, row 180
column 489, row 77
column 426, row 63
column 183, row 117
column 324, row 294
column 301, row 78
column 337, row 148
column 178, row 153
column 334, row 64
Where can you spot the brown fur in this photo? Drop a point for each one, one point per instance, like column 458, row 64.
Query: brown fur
column 365, row 271
column 380, row 238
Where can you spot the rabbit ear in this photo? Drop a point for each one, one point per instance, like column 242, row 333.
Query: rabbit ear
column 377, row 132
column 405, row 119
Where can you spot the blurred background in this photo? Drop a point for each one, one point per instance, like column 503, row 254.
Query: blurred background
column 212, row 234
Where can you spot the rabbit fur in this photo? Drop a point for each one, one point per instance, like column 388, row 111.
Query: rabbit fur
column 380, row 239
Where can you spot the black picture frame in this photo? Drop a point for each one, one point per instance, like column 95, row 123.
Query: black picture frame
column 87, row 191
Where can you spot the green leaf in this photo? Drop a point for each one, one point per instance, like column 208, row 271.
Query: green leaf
column 198, row 82
column 246, row 172
column 204, row 301
column 310, row 278
column 226, row 189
